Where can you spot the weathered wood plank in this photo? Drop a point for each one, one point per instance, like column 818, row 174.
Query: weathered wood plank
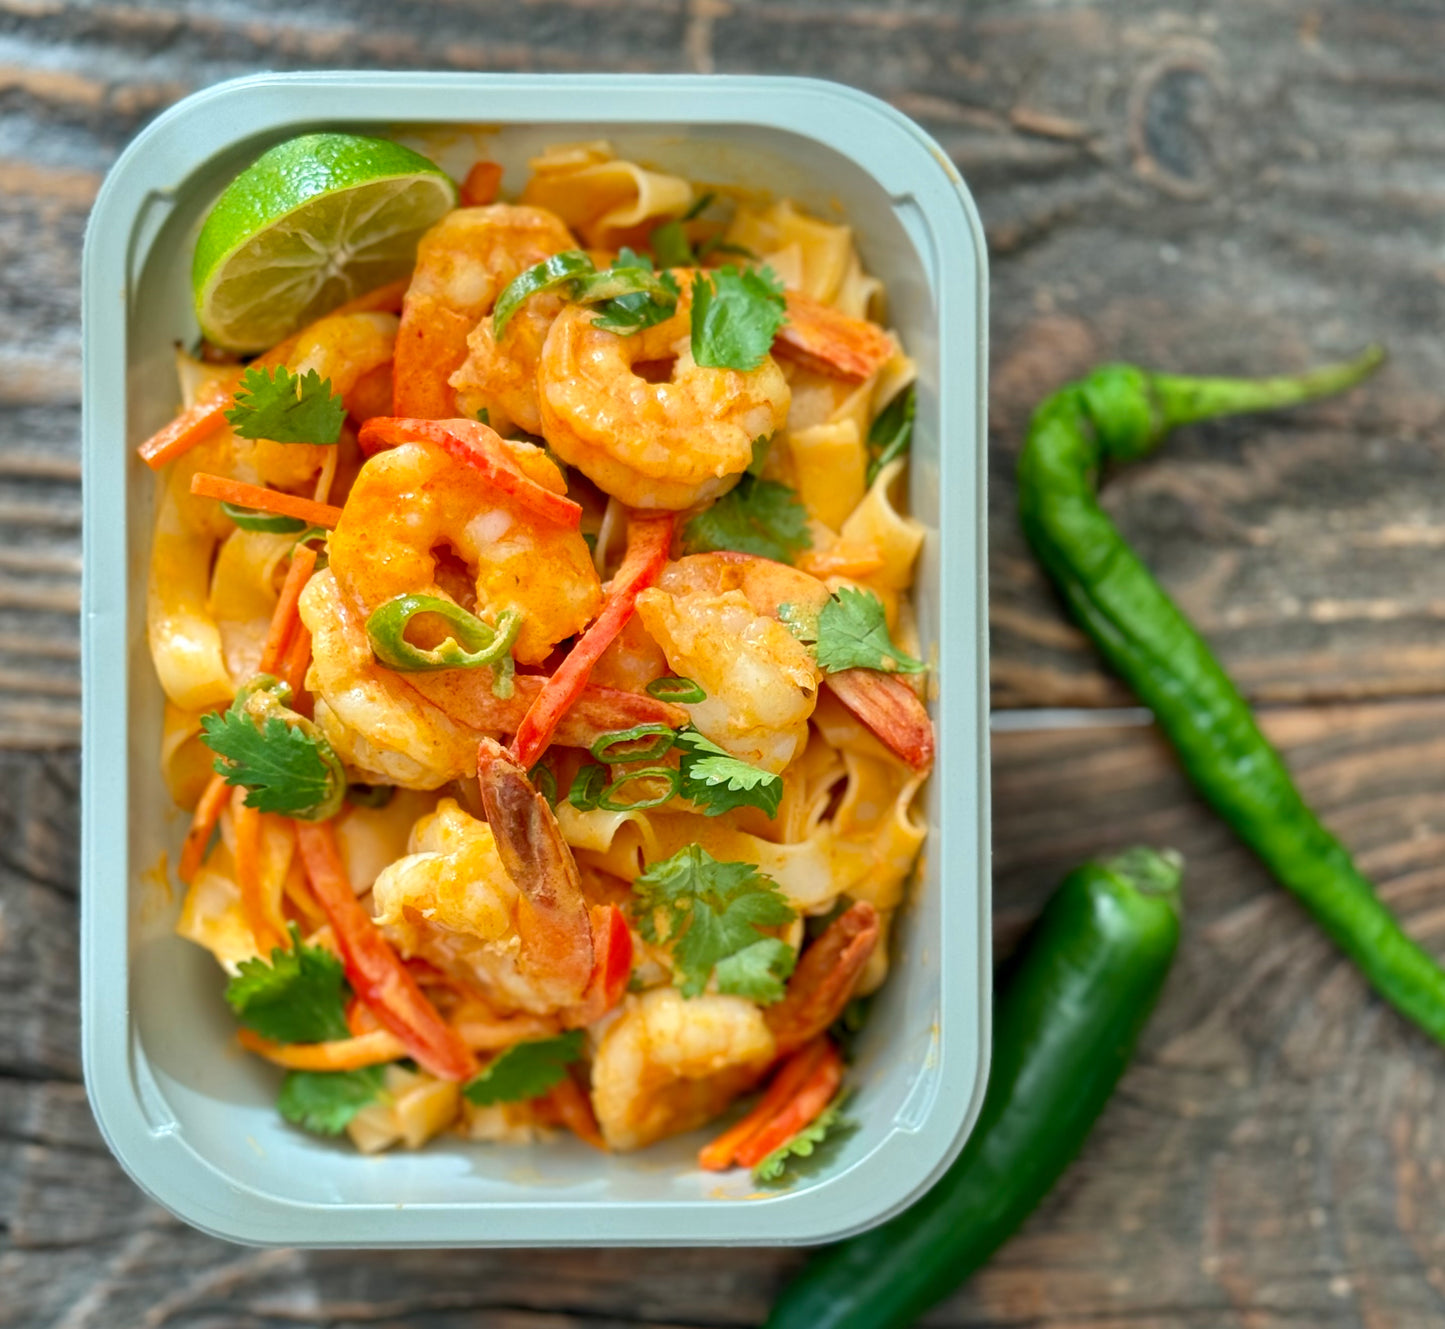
column 1195, row 191
column 1272, row 1159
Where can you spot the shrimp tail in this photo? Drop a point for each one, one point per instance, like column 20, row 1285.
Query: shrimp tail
column 891, row 709
column 826, row 975
column 552, row 917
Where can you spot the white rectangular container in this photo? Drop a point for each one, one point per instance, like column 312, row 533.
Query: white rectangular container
column 190, row 1116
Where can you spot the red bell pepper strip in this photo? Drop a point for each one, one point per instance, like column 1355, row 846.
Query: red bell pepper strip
column 814, row 1094
column 481, row 185
column 373, row 969
column 473, row 444
column 720, row 1154
column 649, row 542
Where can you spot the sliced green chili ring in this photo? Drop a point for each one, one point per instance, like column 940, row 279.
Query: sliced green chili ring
column 587, row 784
column 249, row 519
column 474, row 644
column 610, row 283
column 605, row 749
column 683, row 691
column 370, row 795
column 609, row 801
column 547, row 275
column 544, row 782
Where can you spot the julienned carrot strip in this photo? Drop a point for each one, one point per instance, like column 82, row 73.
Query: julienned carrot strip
column 299, row 894
column 198, row 421
column 649, row 541
column 342, row 1054
column 203, row 826
column 473, row 444
column 255, row 907
column 802, row 1109
column 720, row 1154
column 284, row 617
column 264, row 500
column 481, row 185
column 373, row 969
column 297, row 661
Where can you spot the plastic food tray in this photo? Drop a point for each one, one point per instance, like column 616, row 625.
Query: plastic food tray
column 190, row 1116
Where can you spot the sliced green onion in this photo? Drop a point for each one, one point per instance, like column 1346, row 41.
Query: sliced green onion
column 544, row 276
column 544, row 782
column 632, row 744
column 370, row 795
column 609, row 800
column 474, row 644
column 587, row 784
column 249, row 519
column 683, row 691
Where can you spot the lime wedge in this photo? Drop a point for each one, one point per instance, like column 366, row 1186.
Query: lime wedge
column 310, row 224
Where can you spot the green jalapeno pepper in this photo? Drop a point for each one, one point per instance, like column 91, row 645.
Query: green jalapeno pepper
column 474, row 643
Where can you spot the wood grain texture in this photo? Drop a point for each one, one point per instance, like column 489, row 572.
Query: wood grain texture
column 1232, row 188
column 1206, row 187
column 1273, row 1159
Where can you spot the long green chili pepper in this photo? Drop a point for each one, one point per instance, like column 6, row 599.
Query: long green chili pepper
column 474, row 643
column 1119, row 413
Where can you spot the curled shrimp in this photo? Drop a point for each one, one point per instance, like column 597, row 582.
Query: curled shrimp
column 454, row 900
column 414, row 512
column 716, row 618
column 652, row 444
column 669, row 1063
column 462, row 264
column 501, row 377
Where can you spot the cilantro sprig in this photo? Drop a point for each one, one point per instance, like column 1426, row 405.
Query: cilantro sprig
column 813, row 1142
column 711, row 912
column 324, row 1102
column 759, row 517
column 280, row 757
column 525, row 1070
column 299, row 997
column 735, row 316
column 286, row 407
column 850, row 632
column 718, row 782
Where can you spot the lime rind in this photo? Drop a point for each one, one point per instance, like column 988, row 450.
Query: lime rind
column 312, row 223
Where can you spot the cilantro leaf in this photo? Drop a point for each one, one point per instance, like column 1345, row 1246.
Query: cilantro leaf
column 757, row 971
column 300, row 997
column 324, row 1102
column 762, row 446
column 286, row 407
column 735, row 316
column 851, row 632
column 654, row 301
column 891, row 431
column 711, row 911
column 829, row 1127
column 718, row 782
column 670, row 244
column 759, row 517
column 525, row 1070
column 288, row 768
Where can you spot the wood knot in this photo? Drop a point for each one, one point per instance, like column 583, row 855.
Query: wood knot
column 1175, row 109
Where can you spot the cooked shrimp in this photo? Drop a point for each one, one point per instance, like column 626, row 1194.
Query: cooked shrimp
column 412, row 501
column 665, row 444
column 501, row 379
column 462, row 264
column 452, row 901
column 715, row 617
column 669, row 1064
column 825, row 977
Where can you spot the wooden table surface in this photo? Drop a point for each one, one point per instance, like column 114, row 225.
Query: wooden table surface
column 1207, row 186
